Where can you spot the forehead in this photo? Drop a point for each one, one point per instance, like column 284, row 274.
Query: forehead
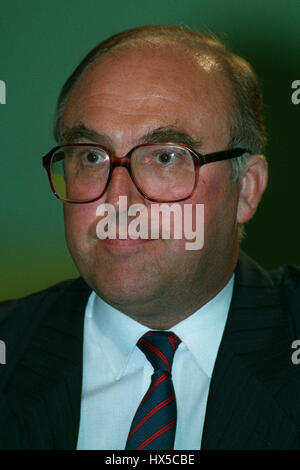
column 137, row 88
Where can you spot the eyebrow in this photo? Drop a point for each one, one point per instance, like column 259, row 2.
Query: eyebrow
column 80, row 132
column 161, row 134
column 170, row 134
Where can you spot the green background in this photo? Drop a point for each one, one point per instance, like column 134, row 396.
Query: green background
column 41, row 43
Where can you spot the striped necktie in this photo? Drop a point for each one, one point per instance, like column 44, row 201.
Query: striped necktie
column 154, row 424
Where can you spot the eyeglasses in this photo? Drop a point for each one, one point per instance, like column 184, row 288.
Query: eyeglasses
column 164, row 172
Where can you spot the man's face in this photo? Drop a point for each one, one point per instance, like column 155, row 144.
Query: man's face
column 161, row 94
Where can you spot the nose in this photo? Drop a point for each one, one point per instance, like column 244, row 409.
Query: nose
column 121, row 184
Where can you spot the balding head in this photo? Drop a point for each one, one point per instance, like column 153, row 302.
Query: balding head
column 245, row 113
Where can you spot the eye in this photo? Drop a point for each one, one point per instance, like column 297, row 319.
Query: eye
column 92, row 157
column 166, row 157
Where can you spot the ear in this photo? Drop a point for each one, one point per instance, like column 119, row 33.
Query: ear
column 253, row 183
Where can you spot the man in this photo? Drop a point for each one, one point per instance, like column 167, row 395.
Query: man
column 186, row 114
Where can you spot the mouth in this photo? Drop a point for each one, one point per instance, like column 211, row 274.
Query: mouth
column 125, row 245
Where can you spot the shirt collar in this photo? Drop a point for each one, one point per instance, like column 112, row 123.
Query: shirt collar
column 201, row 332
column 108, row 326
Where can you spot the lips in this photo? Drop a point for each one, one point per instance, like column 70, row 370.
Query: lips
column 126, row 239
column 127, row 236
column 125, row 244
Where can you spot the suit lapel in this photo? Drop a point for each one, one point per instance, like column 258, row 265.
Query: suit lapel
column 44, row 389
column 246, row 401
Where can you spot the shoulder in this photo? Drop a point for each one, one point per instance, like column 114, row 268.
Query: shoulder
column 10, row 308
column 42, row 318
column 288, row 275
column 261, row 288
column 287, row 278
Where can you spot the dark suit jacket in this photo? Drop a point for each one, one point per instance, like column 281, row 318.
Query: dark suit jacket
column 254, row 397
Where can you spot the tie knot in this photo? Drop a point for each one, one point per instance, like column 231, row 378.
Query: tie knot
column 159, row 347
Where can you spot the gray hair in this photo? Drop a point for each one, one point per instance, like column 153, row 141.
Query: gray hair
column 247, row 122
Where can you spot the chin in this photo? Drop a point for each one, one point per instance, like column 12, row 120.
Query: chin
column 123, row 290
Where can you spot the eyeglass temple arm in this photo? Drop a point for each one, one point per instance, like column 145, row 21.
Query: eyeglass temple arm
column 223, row 155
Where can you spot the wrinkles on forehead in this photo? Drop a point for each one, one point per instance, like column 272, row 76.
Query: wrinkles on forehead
column 133, row 94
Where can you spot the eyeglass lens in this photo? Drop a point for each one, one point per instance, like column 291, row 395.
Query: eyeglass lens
column 162, row 172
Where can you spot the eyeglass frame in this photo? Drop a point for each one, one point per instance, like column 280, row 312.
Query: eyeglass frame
column 125, row 161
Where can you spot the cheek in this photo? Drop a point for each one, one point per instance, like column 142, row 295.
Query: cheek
column 218, row 194
column 80, row 220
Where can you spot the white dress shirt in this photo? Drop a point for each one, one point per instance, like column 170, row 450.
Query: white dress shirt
column 116, row 373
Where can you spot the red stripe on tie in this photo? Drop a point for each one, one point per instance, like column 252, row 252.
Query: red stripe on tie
column 156, row 351
column 157, row 382
column 154, row 410
column 171, row 340
column 157, row 434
